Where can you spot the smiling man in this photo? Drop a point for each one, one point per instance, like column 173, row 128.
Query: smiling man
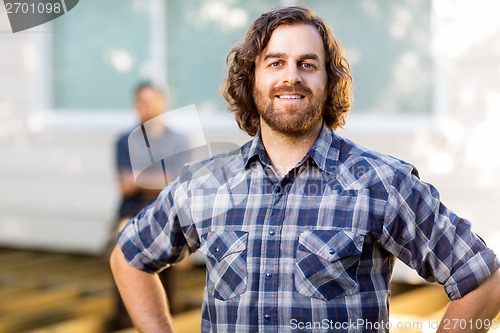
column 300, row 227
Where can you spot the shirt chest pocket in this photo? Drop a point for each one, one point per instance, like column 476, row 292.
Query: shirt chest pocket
column 327, row 262
column 226, row 263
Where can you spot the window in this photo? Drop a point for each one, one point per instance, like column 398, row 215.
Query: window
column 101, row 49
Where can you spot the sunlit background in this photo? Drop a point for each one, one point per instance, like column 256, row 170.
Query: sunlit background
column 426, row 80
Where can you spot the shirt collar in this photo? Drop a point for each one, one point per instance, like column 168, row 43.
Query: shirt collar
column 255, row 149
column 324, row 152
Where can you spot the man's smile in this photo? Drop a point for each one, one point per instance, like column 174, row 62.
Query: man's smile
column 290, row 97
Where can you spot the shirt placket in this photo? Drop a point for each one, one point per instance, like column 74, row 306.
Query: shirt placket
column 271, row 241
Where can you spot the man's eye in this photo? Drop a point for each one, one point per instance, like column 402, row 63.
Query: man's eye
column 275, row 64
column 307, row 65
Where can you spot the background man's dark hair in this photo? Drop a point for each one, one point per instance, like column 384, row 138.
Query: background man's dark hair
column 238, row 87
column 146, row 85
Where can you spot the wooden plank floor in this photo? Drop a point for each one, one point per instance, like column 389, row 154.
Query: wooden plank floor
column 42, row 292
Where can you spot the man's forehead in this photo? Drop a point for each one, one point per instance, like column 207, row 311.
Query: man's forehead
column 148, row 92
column 301, row 39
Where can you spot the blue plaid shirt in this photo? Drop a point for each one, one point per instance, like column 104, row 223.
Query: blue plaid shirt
column 313, row 251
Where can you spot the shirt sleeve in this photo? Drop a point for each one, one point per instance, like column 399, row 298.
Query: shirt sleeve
column 161, row 234
column 430, row 238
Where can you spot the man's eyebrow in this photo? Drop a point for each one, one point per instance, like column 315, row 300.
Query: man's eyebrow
column 276, row 55
column 309, row 56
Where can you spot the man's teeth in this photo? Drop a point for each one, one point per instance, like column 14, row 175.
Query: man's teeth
column 290, row 96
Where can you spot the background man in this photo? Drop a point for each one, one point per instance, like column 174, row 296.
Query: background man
column 150, row 104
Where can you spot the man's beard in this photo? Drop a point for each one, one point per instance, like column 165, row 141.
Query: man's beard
column 290, row 120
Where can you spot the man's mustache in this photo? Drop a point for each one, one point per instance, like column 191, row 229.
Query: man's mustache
column 297, row 89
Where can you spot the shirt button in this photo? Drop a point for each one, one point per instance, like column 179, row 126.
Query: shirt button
column 268, row 276
column 272, row 232
column 216, row 250
column 267, row 317
column 332, row 251
column 277, row 191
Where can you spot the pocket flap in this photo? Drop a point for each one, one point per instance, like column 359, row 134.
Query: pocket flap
column 331, row 245
column 222, row 244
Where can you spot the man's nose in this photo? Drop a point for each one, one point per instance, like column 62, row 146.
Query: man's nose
column 291, row 75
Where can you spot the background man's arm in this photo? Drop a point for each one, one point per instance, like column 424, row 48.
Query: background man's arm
column 129, row 186
column 143, row 295
column 475, row 309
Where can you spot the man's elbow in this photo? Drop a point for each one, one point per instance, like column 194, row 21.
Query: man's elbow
column 116, row 259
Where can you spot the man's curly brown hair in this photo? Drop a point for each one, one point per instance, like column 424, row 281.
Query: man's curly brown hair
column 238, row 86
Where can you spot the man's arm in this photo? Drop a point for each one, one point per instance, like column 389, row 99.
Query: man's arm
column 474, row 309
column 143, row 295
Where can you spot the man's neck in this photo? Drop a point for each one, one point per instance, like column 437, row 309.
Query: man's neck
column 286, row 151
